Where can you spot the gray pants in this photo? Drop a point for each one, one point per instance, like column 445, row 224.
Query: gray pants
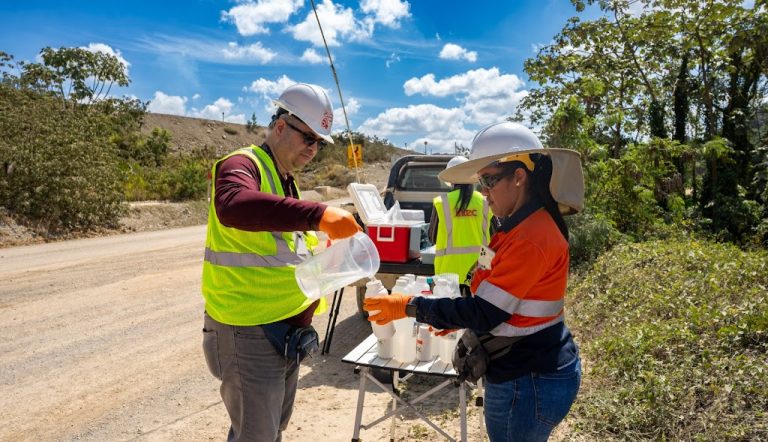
column 258, row 385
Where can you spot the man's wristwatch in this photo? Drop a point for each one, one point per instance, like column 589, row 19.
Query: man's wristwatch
column 410, row 308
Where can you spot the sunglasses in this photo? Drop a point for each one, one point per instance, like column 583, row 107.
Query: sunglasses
column 309, row 139
column 488, row 181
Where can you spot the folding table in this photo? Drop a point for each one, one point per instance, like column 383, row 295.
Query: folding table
column 365, row 359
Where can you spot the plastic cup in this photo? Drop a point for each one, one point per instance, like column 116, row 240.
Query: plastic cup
column 343, row 263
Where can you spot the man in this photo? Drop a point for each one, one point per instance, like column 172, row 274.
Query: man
column 256, row 235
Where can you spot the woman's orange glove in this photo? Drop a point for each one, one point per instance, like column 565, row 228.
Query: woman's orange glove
column 338, row 223
column 387, row 308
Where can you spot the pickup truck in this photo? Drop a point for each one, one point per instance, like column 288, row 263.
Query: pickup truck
column 414, row 184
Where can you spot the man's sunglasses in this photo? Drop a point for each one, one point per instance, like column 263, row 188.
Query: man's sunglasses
column 488, row 181
column 309, row 139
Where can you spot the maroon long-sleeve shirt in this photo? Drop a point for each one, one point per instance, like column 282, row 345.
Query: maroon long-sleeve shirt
column 240, row 203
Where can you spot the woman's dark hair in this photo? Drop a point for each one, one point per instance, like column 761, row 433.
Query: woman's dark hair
column 539, row 186
column 465, row 195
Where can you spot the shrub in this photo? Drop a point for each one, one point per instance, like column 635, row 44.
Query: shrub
column 187, row 180
column 674, row 335
column 65, row 170
column 590, row 236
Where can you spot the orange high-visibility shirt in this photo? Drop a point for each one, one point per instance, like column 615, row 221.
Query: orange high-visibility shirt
column 528, row 275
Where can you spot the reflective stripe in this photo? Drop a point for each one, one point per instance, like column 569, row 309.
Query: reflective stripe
column 457, row 250
column 268, row 173
column 448, row 219
column 506, row 329
column 234, row 259
column 513, row 305
column 486, row 211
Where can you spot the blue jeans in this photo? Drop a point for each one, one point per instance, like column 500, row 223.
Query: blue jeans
column 528, row 408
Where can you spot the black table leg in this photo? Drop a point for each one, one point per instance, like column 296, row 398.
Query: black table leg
column 333, row 314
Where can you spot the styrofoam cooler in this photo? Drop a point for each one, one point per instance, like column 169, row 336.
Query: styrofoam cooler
column 396, row 243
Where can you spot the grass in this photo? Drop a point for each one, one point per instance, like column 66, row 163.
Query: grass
column 675, row 335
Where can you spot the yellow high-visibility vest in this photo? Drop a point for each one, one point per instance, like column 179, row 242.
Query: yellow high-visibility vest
column 249, row 277
column 460, row 236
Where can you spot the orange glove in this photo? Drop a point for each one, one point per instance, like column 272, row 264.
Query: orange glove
column 384, row 309
column 338, row 223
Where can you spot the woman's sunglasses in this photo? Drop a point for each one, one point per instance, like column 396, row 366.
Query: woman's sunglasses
column 488, row 181
column 309, row 139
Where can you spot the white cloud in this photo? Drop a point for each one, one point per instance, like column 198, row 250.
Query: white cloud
column 392, row 59
column 311, row 56
column 106, row 49
column 214, row 111
column 387, row 12
column 486, row 94
column 455, row 52
column 483, row 96
column 269, row 88
column 442, row 126
column 167, row 104
column 353, row 106
column 252, row 18
column 254, row 51
column 196, row 96
column 338, row 22
column 176, row 105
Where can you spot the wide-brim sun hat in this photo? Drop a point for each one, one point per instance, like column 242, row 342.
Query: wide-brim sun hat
column 508, row 141
column 311, row 104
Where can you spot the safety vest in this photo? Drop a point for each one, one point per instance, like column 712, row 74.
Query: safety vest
column 460, row 235
column 249, row 277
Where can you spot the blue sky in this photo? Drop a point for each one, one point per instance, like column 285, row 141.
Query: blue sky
column 410, row 71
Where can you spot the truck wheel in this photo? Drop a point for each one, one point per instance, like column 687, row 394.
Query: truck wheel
column 360, row 295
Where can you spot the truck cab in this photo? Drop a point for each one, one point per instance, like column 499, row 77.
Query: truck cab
column 414, row 184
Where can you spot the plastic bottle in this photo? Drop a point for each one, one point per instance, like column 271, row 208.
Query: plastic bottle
column 421, row 287
column 424, row 346
column 383, row 333
column 404, row 341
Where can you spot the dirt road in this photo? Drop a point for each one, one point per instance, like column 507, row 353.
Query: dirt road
column 100, row 341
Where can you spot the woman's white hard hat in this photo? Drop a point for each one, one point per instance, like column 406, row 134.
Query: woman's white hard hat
column 311, row 104
column 456, row 161
column 508, row 141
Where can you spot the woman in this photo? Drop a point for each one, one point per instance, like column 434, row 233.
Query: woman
column 459, row 227
column 519, row 284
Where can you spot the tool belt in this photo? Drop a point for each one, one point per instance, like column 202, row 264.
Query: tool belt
column 473, row 354
column 295, row 343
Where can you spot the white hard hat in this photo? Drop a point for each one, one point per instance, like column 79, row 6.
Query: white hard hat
column 311, row 104
column 456, row 160
column 508, row 141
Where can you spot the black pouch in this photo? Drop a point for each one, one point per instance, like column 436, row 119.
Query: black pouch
column 295, row 343
column 473, row 354
column 470, row 360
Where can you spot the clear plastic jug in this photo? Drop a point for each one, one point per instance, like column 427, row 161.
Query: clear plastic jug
column 343, row 263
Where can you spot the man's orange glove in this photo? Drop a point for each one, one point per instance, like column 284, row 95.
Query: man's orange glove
column 383, row 309
column 338, row 223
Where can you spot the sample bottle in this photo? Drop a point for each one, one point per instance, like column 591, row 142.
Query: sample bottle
column 383, row 333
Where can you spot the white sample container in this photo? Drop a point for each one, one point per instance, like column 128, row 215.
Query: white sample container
column 383, row 333
column 405, row 340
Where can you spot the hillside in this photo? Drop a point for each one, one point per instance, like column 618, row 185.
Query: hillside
column 194, row 134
